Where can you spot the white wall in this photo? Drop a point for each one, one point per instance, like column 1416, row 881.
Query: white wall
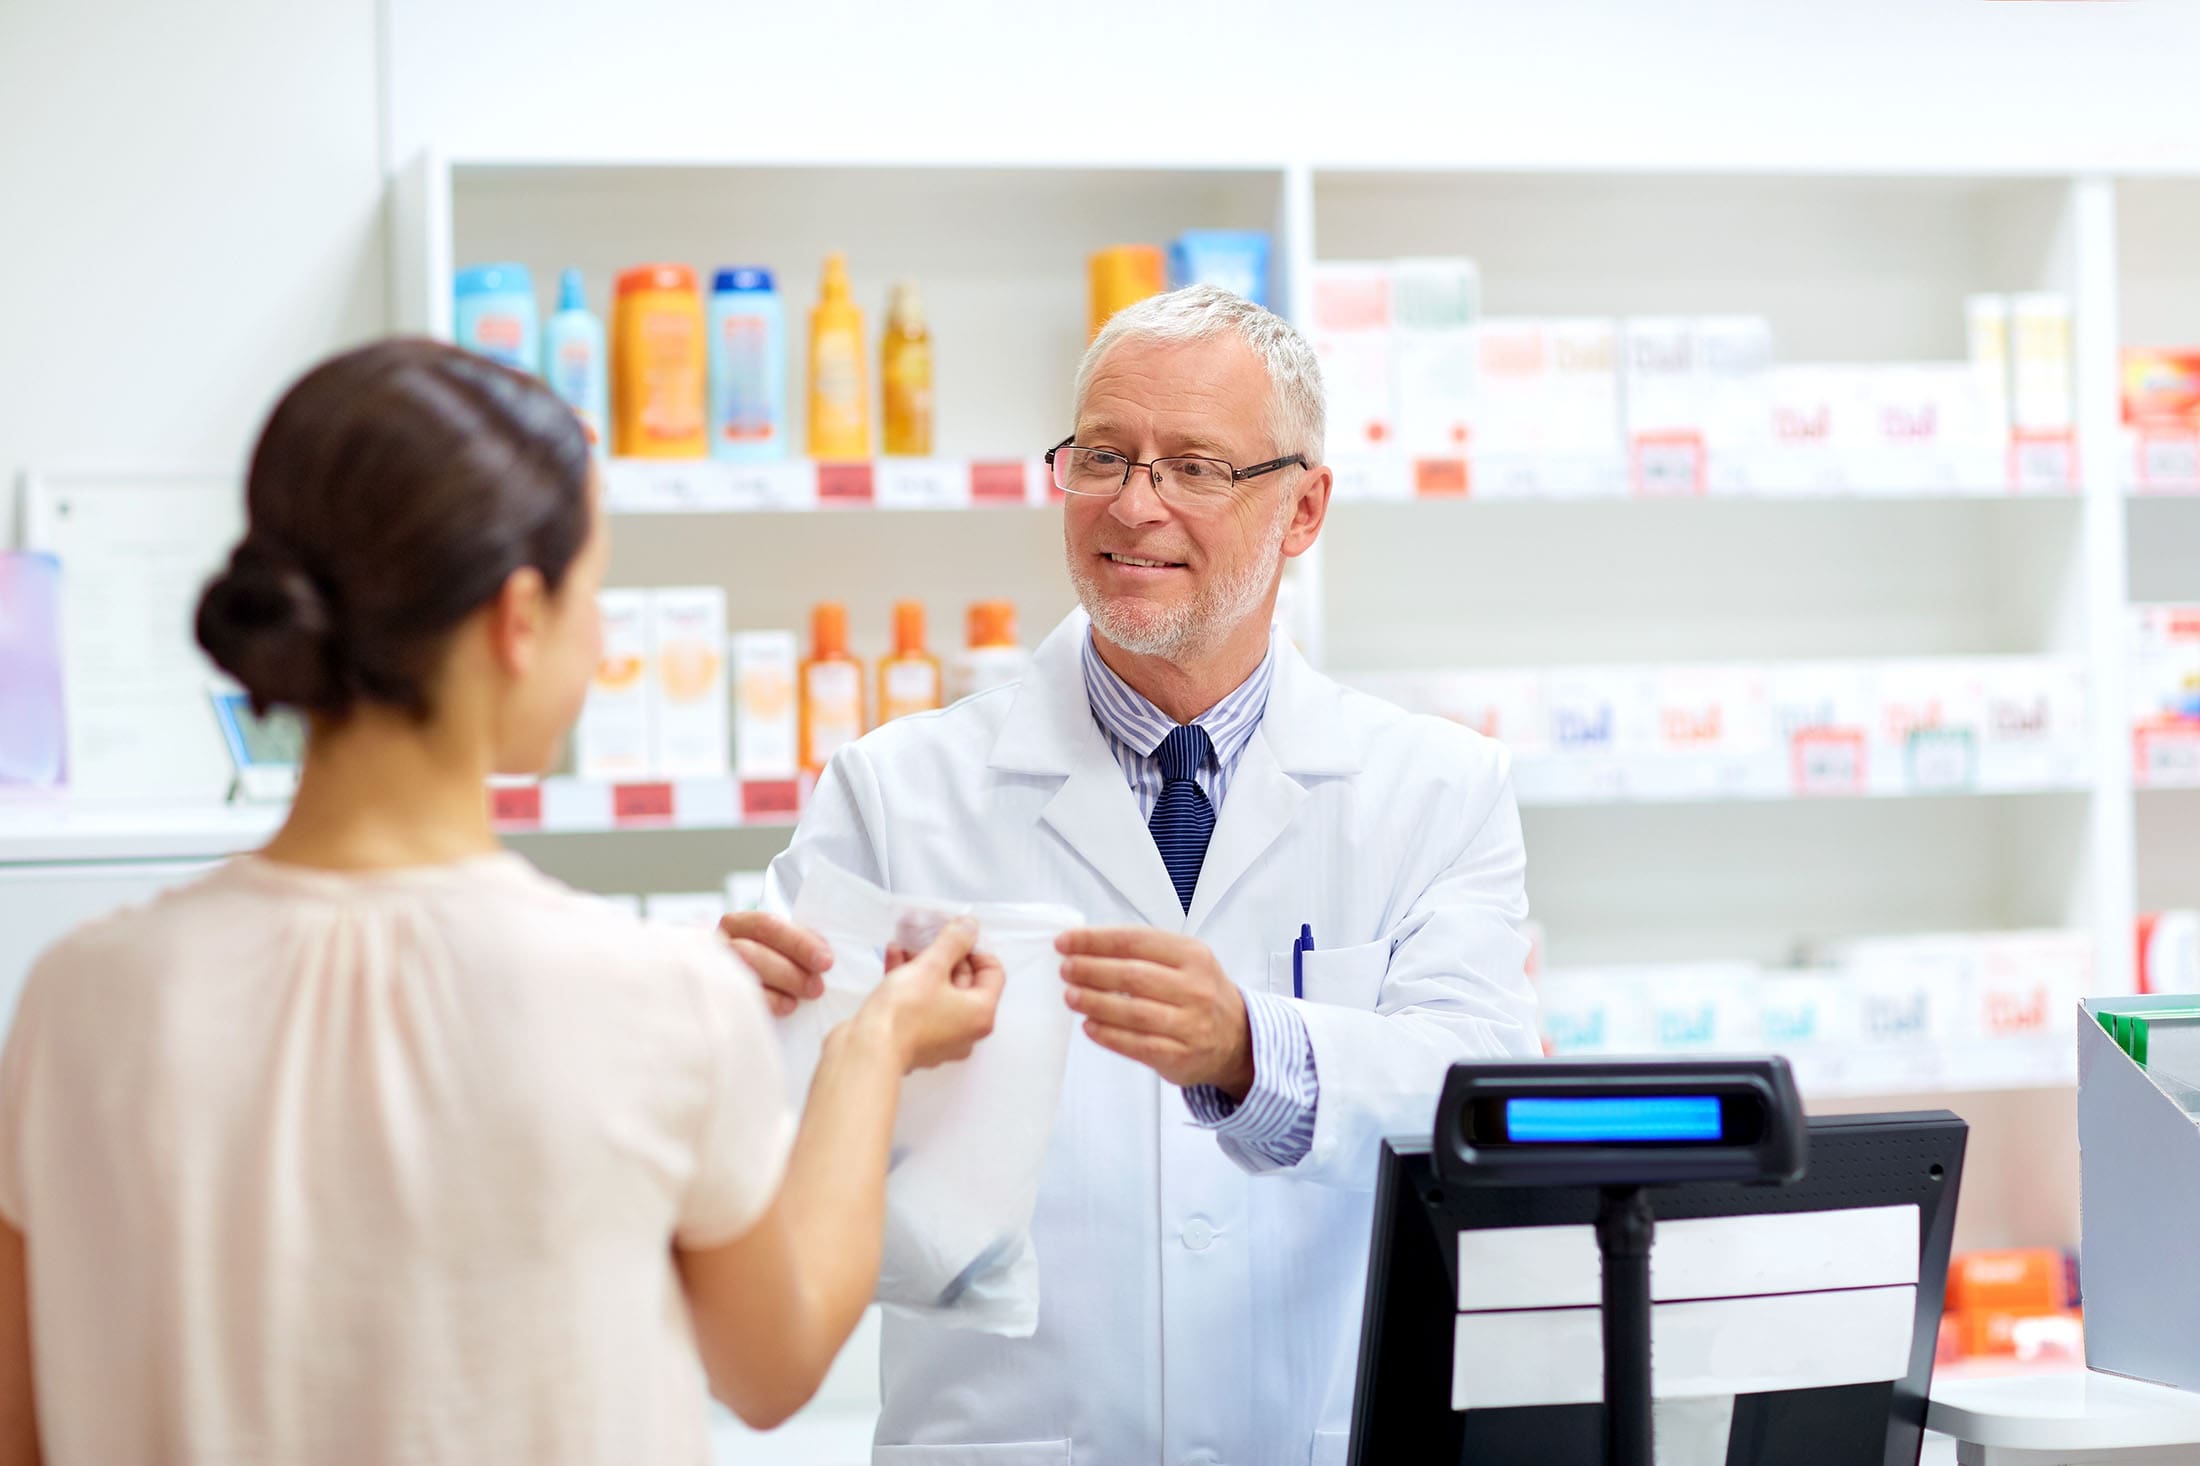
column 1961, row 85
column 192, row 208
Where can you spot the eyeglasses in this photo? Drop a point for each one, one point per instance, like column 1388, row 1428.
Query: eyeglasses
column 1186, row 479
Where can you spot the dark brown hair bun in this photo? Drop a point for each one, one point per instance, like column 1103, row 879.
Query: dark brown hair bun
column 392, row 493
column 266, row 623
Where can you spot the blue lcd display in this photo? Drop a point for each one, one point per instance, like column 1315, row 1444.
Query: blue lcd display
column 1619, row 1121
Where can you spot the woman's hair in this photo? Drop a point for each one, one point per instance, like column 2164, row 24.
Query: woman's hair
column 393, row 491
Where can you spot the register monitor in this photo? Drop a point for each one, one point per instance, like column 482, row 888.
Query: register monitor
column 1453, row 1372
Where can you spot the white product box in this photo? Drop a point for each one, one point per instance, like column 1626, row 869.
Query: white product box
column 2028, row 983
column 1986, row 327
column 2165, row 664
column 1711, row 731
column 1499, row 704
column 1929, row 727
column 688, row 646
column 1821, row 721
column 1598, row 724
column 2169, row 952
column 1515, row 386
column 1734, row 361
column 1352, row 339
column 1434, row 306
column 2034, row 723
column 1582, row 420
column 1664, row 405
column 1809, row 1018
column 1703, row 1007
column 1926, row 429
column 1914, row 999
column 1587, row 1011
column 623, row 902
column 1515, row 390
column 1815, row 421
column 2040, row 392
column 745, row 891
column 684, row 908
column 613, row 738
column 765, row 666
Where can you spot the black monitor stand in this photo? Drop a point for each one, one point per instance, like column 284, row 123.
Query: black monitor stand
column 1402, row 1411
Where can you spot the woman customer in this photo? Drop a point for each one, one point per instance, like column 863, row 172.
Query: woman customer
column 378, row 1145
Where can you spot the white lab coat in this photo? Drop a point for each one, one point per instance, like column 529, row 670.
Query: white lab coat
column 1191, row 1312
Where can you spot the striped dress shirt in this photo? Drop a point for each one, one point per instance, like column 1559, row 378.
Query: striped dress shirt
column 1274, row 1125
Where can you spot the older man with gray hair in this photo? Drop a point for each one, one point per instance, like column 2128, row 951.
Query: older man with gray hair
column 1309, row 906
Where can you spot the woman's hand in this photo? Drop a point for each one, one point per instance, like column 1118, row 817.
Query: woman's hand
column 935, row 1005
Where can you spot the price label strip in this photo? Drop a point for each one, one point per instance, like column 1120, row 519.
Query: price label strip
column 1669, row 465
column 1943, row 760
column 2167, row 461
column 1829, row 762
column 2167, row 756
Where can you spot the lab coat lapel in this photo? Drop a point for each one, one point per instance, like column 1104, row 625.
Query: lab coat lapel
column 1302, row 734
column 1050, row 730
column 1262, row 802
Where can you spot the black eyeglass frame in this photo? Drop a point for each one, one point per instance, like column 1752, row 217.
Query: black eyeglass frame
column 1237, row 475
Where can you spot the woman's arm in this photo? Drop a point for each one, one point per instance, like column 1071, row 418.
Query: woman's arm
column 18, row 1413
column 773, row 1307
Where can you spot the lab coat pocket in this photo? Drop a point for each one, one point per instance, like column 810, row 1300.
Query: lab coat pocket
column 1018, row 1453
column 1331, row 1448
column 1350, row 977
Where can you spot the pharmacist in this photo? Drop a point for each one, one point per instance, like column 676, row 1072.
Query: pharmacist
column 1176, row 771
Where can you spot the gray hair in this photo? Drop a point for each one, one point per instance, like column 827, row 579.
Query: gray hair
column 1205, row 313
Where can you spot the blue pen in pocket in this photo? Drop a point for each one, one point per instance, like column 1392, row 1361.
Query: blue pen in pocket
column 1299, row 948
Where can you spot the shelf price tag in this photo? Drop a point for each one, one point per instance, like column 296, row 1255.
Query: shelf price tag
column 1371, row 478
column 1668, row 465
column 575, row 804
column 1942, row 760
column 846, row 485
column 1440, row 478
column 759, row 487
column 2043, row 462
column 770, row 801
column 1002, row 483
column 652, row 486
column 2166, row 755
column 922, row 483
column 1828, row 762
column 2167, row 461
column 704, row 804
column 633, row 804
column 516, row 806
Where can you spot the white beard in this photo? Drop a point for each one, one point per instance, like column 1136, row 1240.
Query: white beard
column 1184, row 632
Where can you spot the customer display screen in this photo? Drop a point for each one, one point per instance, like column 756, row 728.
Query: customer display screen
column 1734, row 1119
column 1617, row 1120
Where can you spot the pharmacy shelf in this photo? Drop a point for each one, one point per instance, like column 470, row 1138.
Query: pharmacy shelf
column 72, row 833
column 1621, row 786
column 795, row 486
column 2048, row 1061
column 2166, row 756
column 1393, row 479
column 562, row 806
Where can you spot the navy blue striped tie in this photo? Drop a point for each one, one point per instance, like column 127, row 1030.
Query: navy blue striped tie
column 1183, row 820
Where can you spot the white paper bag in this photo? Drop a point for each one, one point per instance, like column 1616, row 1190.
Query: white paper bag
column 971, row 1136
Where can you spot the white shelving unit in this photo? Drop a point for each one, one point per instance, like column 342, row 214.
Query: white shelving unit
column 2158, row 278
column 1847, row 267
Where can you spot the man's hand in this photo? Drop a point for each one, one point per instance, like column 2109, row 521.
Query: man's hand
column 788, row 960
column 1163, row 1001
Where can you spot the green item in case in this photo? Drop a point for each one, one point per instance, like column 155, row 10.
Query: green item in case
column 2170, row 1035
